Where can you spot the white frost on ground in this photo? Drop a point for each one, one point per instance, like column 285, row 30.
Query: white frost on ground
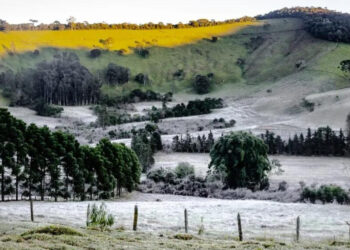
column 69, row 116
column 320, row 170
column 259, row 218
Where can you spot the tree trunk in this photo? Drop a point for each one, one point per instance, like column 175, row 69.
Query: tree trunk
column 17, row 184
column 3, row 185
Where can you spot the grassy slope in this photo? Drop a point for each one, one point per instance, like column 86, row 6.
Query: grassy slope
column 285, row 43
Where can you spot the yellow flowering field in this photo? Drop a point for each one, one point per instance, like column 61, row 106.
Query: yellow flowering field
column 20, row 41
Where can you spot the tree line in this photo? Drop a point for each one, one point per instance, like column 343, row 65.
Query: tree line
column 72, row 24
column 321, row 23
column 191, row 144
column 36, row 161
column 195, row 107
column 323, row 141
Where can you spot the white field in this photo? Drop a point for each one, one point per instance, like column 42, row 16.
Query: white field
column 259, row 218
column 311, row 170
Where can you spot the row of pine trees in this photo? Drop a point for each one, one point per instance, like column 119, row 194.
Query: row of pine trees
column 37, row 162
column 323, row 142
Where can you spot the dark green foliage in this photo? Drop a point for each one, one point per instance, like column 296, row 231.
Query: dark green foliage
column 345, row 67
column 310, row 106
column 179, row 74
column 325, row 194
column 44, row 109
column 201, row 144
column 323, row 141
column 144, row 53
column 196, row 107
column 62, row 81
column 242, row 159
column 117, row 74
column 146, row 142
column 94, row 53
column 142, row 79
column 53, row 164
column 136, row 95
column 201, row 84
column 321, row 23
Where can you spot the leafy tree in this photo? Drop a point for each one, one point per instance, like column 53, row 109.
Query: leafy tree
column 202, row 84
column 242, row 159
column 117, row 74
column 142, row 147
column 345, row 67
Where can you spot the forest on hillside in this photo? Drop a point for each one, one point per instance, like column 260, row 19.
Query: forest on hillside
column 320, row 22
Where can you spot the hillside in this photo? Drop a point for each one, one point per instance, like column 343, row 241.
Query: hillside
column 269, row 52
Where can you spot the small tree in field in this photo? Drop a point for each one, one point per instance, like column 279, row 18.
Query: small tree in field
column 242, row 160
column 345, row 67
column 97, row 217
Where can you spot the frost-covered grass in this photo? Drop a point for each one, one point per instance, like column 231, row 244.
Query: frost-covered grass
column 163, row 213
column 117, row 239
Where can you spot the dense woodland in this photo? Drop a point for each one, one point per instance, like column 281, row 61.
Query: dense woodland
column 321, row 23
column 62, row 81
column 38, row 162
column 72, row 24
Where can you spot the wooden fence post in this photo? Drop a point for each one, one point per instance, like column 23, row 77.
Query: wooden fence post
column 31, row 210
column 136, row 214
column 298, row 229
column 240, row 233
column 186, row 221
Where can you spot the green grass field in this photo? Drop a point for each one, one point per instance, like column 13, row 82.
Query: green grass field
column 284, row 44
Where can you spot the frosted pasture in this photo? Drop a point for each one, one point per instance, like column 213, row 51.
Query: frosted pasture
column 163, row 213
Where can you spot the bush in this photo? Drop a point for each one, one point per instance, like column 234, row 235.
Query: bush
column 183, row 170
column 98, row 217
column 179, row 74
column 143, row 52
column 201, row 84
column 44, row 109
column 142, row 79
column 36, row 52
column 117, row 74
column 325, row 194
column 95, row 53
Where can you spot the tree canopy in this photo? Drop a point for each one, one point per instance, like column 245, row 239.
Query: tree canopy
column 242, row 159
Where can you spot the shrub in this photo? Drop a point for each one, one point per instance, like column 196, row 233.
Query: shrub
column 95, row 53
column 97, row 217
column 325, row 194
column 201, row 84
column 179, row 74
column 36, row 52
column 310, row 106
column 44, row 109
column 117, row 74
column 143, row 52
column 183, row 170
column 142, row 79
